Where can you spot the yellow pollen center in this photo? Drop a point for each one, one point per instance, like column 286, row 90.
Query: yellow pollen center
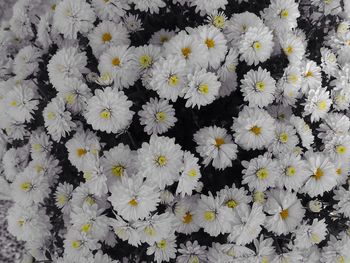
column 145, row 61
column 36, row 147
column 341, row 149
column 173, row 80
column 13, row 103
column 192, row 173
column 106, row 37
column 90, row 200
column 293, row 78
column 21, row 222
column 341, row 259
column 262, row 173
column 339, row 171
column 51, row 115
column 133, row 202
column 61, row 199
column 219, row 142
column 160, row 116
column 289, row 50
column 86, row 228
column 309, row 74
column 231, row 203
column 81, row 152
column 291, row 171
column 117, row 170
column 284, row 214
column 322, row 105
column 203, row 88
column 105, row 114
column 163, row 39
column 257, row 45
column 186, row 51
column 26, row 186
column 256, row 130
column 219, row 21
column 53, row 7
column 260, row 86
column 315, row 238
column 162, row 244
column 284, row 13
column 161, row 160
column 187, row 218
column 210, row 43
column 284, row 137
column 318, row 174
column 75, row 244
column 209, row 216
column 149, row 230
column 116, row 61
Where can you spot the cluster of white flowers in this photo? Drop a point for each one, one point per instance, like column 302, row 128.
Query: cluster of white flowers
column 97, row 105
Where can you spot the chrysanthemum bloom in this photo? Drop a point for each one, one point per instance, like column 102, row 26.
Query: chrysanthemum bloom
column 164, row 250
column 160, row 161
column 119, row 62
column 303, row 130
column 258, row 88
column 293, row 47
column 151, row 6
column 63, row 195
column 94, row 176
column 169, row 77
column 317, row 104
column 285, row 211
column 202, row 88
column 132, row 198
column 227, row 73
column 184, row 215
column 109, row 110
column 312, row 77
column 73, row 16
column 111, row 9
column 192, row 252
column 253, row 128
column 157, row 116
column 146, row 56
column 260, row 173
column 26, row 62
column 232, row 197
column 207, row 6
column 108, row 34
column 308, row 235
column 125, row 231
column 284, row 141
column 256, row 45
column 343, row 197
column 216, row 146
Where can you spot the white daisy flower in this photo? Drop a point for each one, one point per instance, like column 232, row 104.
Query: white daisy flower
column 285, row 211
column 190, row 175
column 324, row 176
column 253, row 128
column 284, row 141
column 256, row 45
column 308, row 235
column 63, row 195
column 160, row 37
column 312, row 78
column 304, row 131
column 109, row 110
column 58, row 121
column 317, row 104
column 82, row 195
column 232, row 197
column 184, row 215
column 207, row 6
column 94, row 176
column 169, row 77
column 14, row 161
column 107, row 34
column 132, row 198
column 40, row 144
column 132, row 23
column 217, row 19
column 151, row 6
column 191, row 253
column 202, row 88
column 260, row 173
column 338, row 147
column 342, row 196
column 246, row 224
column 293, row 47
column 216, row 146
column 103, row 258
column 147, row 55
column 336, row 250
column 26, row 62
column 125, row 231
column 227, row 73
column 120, row 63
column 160, row 161
column 158, row 116
column 73, row 16
column 329, row 63
column 164, row 250
column 111, row 9
column 258, row 88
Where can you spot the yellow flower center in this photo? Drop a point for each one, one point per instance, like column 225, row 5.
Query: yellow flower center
column 173, row 80
column 339, row 171
column 259, row 197
column 318, row 174
column 284, row 214
column 231, row 203
column 284, row 137
column 256, row 130
column 293, row 78
column 21, row 222
column 322, row 105
column 264, row 260
column 26, row 186
column 160, row 116
column 149, row 230
column 105, row 114
column 163, row 39
column 106, row 37
column 209, row 216
column 13, row 103
column 118, row 170
column 341, row 149
column 219, row 142
column 210, row 43
column 203, row 88
column 81, row 152
column 133, row 202
column 260, row 86
column 39, row 168
column 86, row 228
column 70, row 98
column 262, row 173
column 219, row 21
column 75, row 244
column 162, row 244
column 36, row 147
column 87, row 175
column 341, row 259
column 192, row 173
column 116, row 61
column 291, row 171
column 315, row 238
column 284, row 13
column 187, row 218
column 288, row 50
column 327, row 2
column 161, row 160
column 53, row 7
column 61, row 199
column 309, row 74
column 186, row 51
column 257, row 45
column 51, row 115
column 90, row 200
column 145, row 61
column 193, row 259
